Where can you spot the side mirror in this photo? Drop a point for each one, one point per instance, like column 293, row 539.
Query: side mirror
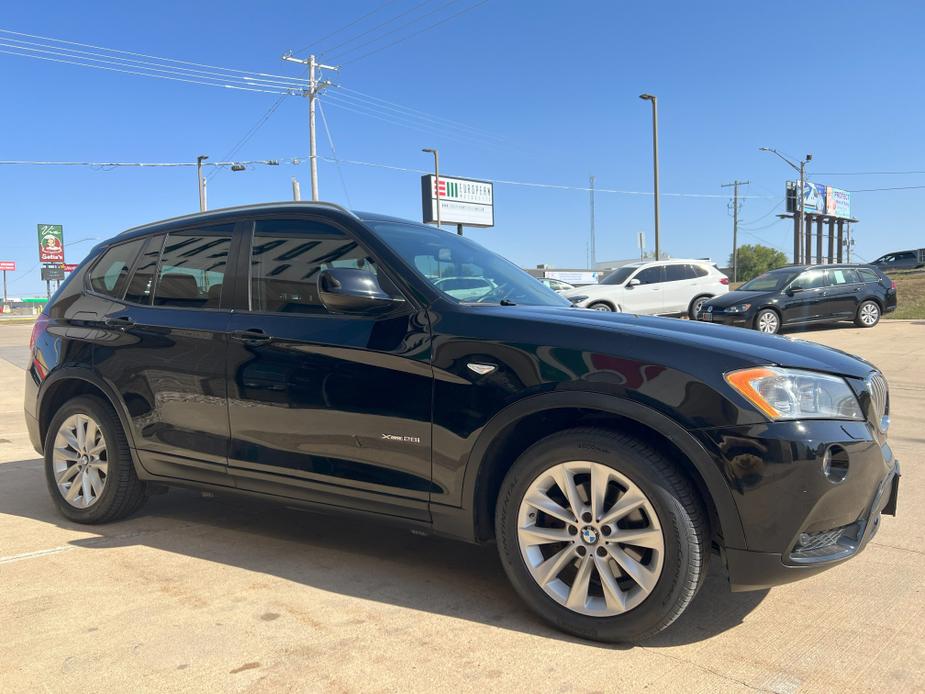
column 633, row 283
column 349, row 290
column 793, row 289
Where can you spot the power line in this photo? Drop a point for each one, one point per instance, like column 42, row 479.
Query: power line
column 148, row 74
column 874, row 190
column 249, row 134
column 346, row 26
column 383, row 35
column 413, row 111
column 98, row 57
column 868, row 173
column 765, row 215
column 408, row 121
column 378, row 26
column 139, row 164
column 340, row 172
column 142, row 55
column 416, row 33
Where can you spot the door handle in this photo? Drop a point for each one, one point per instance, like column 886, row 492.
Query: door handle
column 251, row 336
column 121, row 322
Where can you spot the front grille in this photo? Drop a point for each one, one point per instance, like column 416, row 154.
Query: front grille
column 879, row 401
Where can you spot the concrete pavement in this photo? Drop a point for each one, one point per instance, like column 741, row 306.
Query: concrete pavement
column 207, row 594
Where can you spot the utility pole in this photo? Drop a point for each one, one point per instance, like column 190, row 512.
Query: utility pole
column 798, row 213
column 654, row 100
column 735, row 225
column 202, row 182
column 314, row 87
column 593, row 251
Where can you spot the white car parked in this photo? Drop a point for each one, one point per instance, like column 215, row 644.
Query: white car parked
column 664, row 287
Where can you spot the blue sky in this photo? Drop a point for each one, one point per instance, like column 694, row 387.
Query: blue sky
column 556, row 85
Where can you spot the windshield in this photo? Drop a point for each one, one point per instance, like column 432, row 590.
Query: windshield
column 620, row 275
column 462, row 269
column 768, row 282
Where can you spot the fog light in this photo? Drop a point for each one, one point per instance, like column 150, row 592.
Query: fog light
column 835, row 464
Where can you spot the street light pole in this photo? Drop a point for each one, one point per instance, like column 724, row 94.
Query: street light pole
column 800, row 169
column 436, row 154
column 654, row 100
column 202, row 182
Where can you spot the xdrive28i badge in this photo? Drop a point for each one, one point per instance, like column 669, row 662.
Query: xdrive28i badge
column 398, row 438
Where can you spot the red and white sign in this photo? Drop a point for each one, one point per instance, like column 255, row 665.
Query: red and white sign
column 69, row 267
column 8, row 265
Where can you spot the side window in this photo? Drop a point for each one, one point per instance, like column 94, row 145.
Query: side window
column 812, row 279
column 142, row 282
column 699, row 271
column 868, row 275
column 110, row 273
column 651, row 275
column 288, row 256
column 906, row 256
column 192, row 269
column 674, row 273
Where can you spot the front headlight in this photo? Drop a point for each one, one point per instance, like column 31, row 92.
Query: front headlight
column 741, row 308
column 795, row 394
column 576, row 299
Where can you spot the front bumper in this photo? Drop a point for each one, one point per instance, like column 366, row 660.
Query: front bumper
column 742, row 320
column 798, row 516
column 758, row 570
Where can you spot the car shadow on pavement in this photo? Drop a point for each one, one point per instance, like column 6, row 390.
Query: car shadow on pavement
column 347, row 555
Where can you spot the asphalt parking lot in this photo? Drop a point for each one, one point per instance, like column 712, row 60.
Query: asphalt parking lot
column 225, row 595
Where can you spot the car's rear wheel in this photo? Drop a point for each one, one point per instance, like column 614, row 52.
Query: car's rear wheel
column 868, row 314
column 600, row 306
column 767, row 321
column 601, row 535
column 88, row 466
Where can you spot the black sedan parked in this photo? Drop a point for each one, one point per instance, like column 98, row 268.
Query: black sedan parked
column 805, row 294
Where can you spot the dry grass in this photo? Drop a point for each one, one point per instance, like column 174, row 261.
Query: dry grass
column 910, row 295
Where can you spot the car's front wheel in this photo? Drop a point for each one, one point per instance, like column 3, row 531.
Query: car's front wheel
column 88, row 465
column 693, row 311
column 767, row 321
column 868, row 314
column 601, row 535
column 600, row 306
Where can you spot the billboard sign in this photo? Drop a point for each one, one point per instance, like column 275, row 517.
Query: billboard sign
column 463, row 201
column 52, row 274
column 69, row 267
column 51, row 243
column 813, row 198
column 837, row 202
column 572, row 276
column 8, row 265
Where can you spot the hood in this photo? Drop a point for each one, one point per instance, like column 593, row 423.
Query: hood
column 738, row 297
column 730, row 347
column 593, row 290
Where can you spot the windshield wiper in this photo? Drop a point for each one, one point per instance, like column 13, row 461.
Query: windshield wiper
column 506, row 302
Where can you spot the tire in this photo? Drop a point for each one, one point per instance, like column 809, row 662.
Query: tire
column 600, row 306
column 696, row 306
column 868, row 314
column 113, row 490
column 671, row 510
column 767, row 321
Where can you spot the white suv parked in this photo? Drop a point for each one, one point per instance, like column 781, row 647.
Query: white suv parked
column 664, row 287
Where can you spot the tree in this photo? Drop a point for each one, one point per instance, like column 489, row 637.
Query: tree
column 754, row 259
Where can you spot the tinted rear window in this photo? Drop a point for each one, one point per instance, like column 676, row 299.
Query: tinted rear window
column 110, row 273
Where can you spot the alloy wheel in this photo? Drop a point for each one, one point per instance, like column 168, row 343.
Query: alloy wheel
column 869, row 314
column 80, row 461
column 768, row 322
column 600, row 307
column 698, row 307
column 590, row 538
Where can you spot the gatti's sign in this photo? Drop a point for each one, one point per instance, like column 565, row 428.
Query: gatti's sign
column 51, row 243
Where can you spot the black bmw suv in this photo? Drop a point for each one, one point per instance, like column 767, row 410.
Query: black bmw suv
column 302, row 353
column 798, row 295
